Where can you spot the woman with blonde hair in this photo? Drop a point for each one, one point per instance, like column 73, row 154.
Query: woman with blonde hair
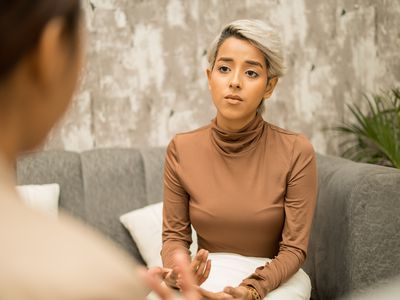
column 247, row 186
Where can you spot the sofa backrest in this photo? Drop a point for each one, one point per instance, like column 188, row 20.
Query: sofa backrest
column 60, row 167
column 99, row 185
column 355, row 239
column 354, row 242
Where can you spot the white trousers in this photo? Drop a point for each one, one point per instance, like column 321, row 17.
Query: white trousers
column 229, row 269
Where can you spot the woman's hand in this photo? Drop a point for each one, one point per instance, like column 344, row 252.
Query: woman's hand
column 229, row 293
column 153, row 277
column 239, row 293
column 200, row 267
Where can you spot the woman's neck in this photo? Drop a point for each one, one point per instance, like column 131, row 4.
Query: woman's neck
column 8, row 151
column 234, row 125
column 9, row 137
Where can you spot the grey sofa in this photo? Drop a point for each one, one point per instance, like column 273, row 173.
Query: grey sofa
column 355, row 239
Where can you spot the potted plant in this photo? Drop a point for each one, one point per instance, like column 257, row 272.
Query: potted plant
column 374, row 136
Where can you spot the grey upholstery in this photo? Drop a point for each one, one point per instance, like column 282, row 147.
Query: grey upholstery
column 100, row 185
column 61, row 167
column 355, row 238
column 114, row 184
column 153, row 160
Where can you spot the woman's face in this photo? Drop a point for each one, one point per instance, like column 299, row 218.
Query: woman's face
column 238, row 82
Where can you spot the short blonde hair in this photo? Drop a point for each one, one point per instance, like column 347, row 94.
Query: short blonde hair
column 260, row 35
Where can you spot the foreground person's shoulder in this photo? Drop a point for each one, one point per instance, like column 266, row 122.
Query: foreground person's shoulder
column 49, row 259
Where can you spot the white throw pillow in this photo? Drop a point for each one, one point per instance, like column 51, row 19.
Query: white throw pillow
column 145, row 227
column 42, row 197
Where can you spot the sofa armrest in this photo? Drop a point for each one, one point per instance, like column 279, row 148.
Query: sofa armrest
column 355, row 239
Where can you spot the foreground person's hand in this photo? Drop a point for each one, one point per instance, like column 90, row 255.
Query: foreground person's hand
column 153, row 278
column 170, row 276
column 229, row 293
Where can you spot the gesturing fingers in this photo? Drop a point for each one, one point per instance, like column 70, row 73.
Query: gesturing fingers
column 155, row 272
column 240, row 293
column 186, row 283
column 200, row 257
column 206, row 272
column 207, row 295
column 201, row 266
column 171, row 277
column 200, row 262
column 153, row 281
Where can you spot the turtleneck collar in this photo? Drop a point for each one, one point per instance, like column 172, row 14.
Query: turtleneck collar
column 237, row 142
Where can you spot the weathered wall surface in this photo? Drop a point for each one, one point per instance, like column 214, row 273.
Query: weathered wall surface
column 144, row 78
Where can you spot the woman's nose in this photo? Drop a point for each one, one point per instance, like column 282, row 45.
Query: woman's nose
column 235, row 81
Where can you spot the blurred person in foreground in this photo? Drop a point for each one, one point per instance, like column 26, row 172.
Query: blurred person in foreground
column 42, row 258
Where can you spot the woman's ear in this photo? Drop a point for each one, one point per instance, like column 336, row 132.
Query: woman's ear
column 46, row 62
column 270, row 87
column 208, row 73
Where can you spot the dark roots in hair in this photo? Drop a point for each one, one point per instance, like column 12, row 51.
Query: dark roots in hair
column 232, row 32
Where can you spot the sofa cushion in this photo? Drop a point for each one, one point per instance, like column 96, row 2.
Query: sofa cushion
column 145, row 227
column 56, row 166
column 114, row 184
column 153, row 160
column 42, row 197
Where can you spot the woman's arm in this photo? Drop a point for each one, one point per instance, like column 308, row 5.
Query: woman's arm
column 177, row 233
column 299, row 205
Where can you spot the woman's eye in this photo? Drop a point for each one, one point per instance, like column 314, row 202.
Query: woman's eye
column 223, row 69
column 252, row 74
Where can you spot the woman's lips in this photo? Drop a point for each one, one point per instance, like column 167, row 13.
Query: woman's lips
column 233, row 99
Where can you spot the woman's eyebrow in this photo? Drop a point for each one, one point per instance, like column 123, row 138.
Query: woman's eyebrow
column 225, row 59
column 250, row 62
column 254, row 63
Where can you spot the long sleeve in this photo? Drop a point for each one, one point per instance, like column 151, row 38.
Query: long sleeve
column 299, row 206
column 176, row 232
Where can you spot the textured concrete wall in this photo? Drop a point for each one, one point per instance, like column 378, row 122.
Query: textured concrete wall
column 144, row 78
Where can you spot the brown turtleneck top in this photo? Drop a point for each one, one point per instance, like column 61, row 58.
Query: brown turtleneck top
column 251, row 192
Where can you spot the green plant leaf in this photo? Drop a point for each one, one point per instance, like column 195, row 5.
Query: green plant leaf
column 374, row 136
